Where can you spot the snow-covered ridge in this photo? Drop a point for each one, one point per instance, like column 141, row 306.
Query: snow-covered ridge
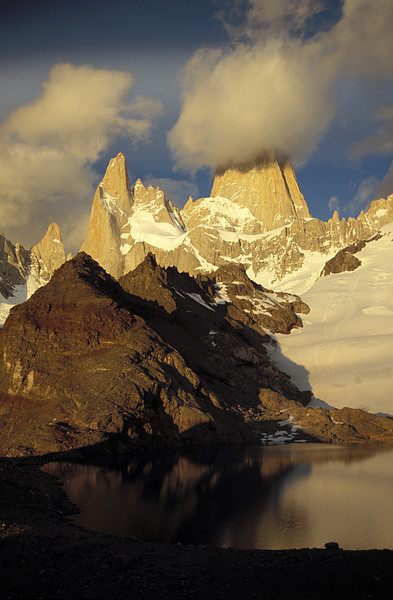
column 221, row 213
column 344, row 353
column 255, row 217
column 300, row 280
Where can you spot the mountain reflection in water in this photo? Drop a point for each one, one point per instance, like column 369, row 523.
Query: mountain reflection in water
column 291, row 496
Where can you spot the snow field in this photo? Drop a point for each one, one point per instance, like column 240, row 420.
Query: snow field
column 344, row 353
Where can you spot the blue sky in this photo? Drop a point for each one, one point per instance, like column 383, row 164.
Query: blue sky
column 179, row 86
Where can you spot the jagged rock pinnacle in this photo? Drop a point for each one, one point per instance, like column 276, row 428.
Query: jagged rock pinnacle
column 111, row 208
column 335, row 218
column 246, row 201
column 48, row 254
column 116, row 182
column 267, row 187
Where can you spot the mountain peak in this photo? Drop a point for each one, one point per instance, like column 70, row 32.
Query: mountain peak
column 51, row 237
column 47, row 255
column 80, row 282
column 165, row 286
column 247, row 202
column 112, row 205
column 335, row 218
column 267, row 186
column 116, row 182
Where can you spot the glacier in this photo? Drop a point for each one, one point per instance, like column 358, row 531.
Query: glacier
column 344, row 353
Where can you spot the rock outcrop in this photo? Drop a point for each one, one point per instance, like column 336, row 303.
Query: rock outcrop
column 83, row 359
column 345, row 259
column 275, row 312
column 348, row 425
column 163, row 359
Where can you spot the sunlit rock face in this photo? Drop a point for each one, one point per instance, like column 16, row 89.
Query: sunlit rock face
column 266, row 187
column 48, row 254
column 250, row 199
column 111, row 206
column 256, row 217
column 123, row 219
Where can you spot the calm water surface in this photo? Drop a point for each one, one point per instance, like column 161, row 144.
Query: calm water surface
column 291, row 496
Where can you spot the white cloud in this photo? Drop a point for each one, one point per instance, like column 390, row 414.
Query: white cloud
column 334, row 203
column 47, row 148
column 362, row 39
column 365, row 193
column 381, row 140
column 276, row 85
column 240, row 103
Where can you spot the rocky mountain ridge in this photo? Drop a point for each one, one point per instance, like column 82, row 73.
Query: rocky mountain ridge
column 262, row 223
column 119, row 212
column 162, row 359
column 88, row 359
column 23, row 271
column 82, row 319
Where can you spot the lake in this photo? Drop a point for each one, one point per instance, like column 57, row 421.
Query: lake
column 275, row 497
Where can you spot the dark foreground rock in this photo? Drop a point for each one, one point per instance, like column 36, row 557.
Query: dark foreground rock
column 158, row 363
column 161, row 360
column 42, row 555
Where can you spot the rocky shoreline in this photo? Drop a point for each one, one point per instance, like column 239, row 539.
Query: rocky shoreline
column 43, row 555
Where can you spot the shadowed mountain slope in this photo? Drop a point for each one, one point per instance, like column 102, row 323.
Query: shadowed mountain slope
column 165, row 361
column 84, row 359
